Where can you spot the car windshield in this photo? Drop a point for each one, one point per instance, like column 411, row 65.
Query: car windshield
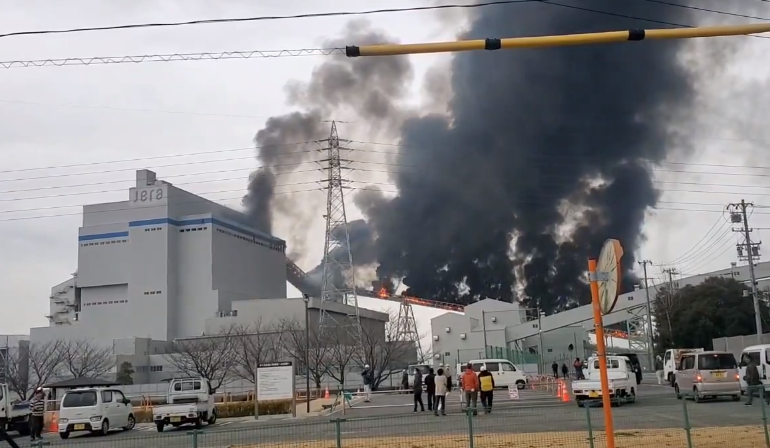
column 79, row 399
column 719, row 361
column 611, row 364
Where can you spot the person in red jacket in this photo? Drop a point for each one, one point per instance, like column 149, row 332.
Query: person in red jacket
column 469, row 383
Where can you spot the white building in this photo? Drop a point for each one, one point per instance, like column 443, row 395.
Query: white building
column 158, row 264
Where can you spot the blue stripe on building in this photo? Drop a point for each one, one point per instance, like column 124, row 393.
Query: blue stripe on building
column 182, row 223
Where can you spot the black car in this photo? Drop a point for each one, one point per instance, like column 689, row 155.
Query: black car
column 634, row 358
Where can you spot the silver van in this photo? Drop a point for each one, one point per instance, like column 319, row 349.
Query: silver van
column 708, row 375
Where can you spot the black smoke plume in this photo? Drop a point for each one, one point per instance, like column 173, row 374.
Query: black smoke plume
column 547, row 153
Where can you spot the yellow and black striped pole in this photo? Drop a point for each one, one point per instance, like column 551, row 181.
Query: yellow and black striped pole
column 556, row 40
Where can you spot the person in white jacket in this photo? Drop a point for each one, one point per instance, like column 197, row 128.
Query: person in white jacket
column 441, row 391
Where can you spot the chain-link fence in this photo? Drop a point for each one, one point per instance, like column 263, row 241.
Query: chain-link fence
column 655, row 423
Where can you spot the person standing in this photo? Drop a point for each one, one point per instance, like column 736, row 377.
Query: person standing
column 659, row 369
column 487, row 387
column 754, row 383
column 418, row 390
column 442, row 389
column 405, row 382
column 430, row 388
column 578, row 369
column 555, row 368
column 368, row 376
column 38, row 412
column 470, row 386
column 564, row 371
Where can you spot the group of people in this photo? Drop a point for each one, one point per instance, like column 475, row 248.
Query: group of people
column 437, row 385
column 578, row 365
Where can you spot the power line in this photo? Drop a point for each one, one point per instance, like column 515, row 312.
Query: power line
column 266, row 18
column 698, row 8
column 696, row 245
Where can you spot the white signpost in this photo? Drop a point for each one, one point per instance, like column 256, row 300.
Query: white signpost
column 513, row 392
column 275, row 381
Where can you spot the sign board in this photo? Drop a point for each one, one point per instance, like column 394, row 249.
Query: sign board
column 513, row 392
column 608, row 274
column 275, row 381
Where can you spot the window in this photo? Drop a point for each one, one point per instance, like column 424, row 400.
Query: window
column 611, row 364
column 719, row 361
column 106, row 396
column 687, row 363
column 79, row 399
column 667, row 357
column 508, row 367
column 477, row 367
column 750, row 356
column 187, row 385
column 119, row 397
column 493, row 367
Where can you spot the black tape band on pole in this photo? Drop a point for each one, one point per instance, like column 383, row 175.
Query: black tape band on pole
column 492, row 44
column 636, row 34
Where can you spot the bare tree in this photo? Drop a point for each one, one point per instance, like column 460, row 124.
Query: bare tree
column 384, row 350
column 210, row 357
column 84, row 359
column 298, row 345
column 343, row 352
column 254, row 344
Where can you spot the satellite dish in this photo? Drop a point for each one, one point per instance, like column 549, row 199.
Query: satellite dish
column 608, row 274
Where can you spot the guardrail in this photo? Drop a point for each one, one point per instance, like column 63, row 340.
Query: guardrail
column 656, row 423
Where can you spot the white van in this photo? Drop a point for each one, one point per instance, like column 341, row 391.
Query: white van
column 95, row 409
column 505, row 372
column 760, row 354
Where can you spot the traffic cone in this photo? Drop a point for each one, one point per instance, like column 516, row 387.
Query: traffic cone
column 559, row 390
column 326, row 394
column 564, row 393
column 53, row 425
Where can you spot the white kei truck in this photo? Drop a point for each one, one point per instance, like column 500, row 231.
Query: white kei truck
column 188, row 401
column 14, row 415
column 620, row 376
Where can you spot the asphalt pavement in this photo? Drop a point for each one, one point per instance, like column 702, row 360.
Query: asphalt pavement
column 391, row 415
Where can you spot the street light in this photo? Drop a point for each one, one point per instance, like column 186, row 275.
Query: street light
column 306, row 298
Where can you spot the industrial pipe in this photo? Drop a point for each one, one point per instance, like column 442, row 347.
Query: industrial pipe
column 555, row 40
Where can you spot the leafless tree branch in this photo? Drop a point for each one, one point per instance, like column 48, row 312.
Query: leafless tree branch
column 292, row 341
column 84, row 359
column 254, row 344
column 210, row 357
column 385, row 351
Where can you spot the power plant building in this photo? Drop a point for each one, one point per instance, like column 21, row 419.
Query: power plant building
column 159, row 264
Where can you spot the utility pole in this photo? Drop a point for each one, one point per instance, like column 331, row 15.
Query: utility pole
column 671, row 272
column 748, row 251
column 650, row 351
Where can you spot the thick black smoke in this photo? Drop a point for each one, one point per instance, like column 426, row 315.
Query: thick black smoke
column 547, row 153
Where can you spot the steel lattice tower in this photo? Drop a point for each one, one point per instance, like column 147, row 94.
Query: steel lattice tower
column 337, row 258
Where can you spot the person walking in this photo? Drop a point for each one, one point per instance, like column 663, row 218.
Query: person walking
column 659, row 369
column 487, row 387
column 555, row 368
column 418, row 390
column 469, row 383
column 754, row 383
column 564, row 370
column 38, row 412
column 405, row 382
column 442, row 389
column 368, row 376
column 430, row 388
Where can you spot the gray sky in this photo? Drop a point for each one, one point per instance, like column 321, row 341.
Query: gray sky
column 51, row 117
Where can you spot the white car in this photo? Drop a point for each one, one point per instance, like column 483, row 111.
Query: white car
column 505, row 372
column 95, row 409
column 189, row 401
column 620, row 377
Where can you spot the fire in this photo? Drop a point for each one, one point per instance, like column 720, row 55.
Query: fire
column 383, row 293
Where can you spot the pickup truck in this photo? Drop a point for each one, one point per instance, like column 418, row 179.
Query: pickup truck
column 621, row 378
column 671, row 361
column 188, row 401
column 14, row 415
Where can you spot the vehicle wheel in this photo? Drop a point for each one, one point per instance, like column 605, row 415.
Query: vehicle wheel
column 159, row 426
column 23, row 429
column 520, row 385
column 213, row 418
column 671, row 379
column 696, row 396
column 678, row 394
column 131, row 423
column 105, row 427
column 736, row 398
column 632, row 397
column 64, row 435
column 580, row 404
column 198, row 423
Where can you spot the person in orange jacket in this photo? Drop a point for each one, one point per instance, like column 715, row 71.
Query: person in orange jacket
column 470, row 385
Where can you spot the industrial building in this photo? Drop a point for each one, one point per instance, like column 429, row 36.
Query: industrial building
column 489, row 327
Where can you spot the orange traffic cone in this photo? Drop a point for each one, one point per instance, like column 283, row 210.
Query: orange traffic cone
column 559, row 390
column 326, row 394
column 564, row 393
column 53, row 425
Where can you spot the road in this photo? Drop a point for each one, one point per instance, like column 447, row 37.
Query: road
column 392, row 416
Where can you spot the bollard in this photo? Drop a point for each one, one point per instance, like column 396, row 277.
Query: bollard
column 764, row 415
column 686, row 416
column 338, row 431
column 470, row 425
column 194, row 434
column 590, row 426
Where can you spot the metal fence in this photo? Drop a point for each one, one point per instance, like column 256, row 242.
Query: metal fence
column 653, row 424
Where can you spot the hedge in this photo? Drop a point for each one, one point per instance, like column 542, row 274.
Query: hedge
column 230, row 410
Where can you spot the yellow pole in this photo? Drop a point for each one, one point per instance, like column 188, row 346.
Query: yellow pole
column 556, row 40
column 602, row 355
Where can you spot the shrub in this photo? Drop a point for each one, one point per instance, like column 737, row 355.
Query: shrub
column 231, row 410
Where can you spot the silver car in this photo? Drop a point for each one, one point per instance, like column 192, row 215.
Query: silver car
column 708, row 375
